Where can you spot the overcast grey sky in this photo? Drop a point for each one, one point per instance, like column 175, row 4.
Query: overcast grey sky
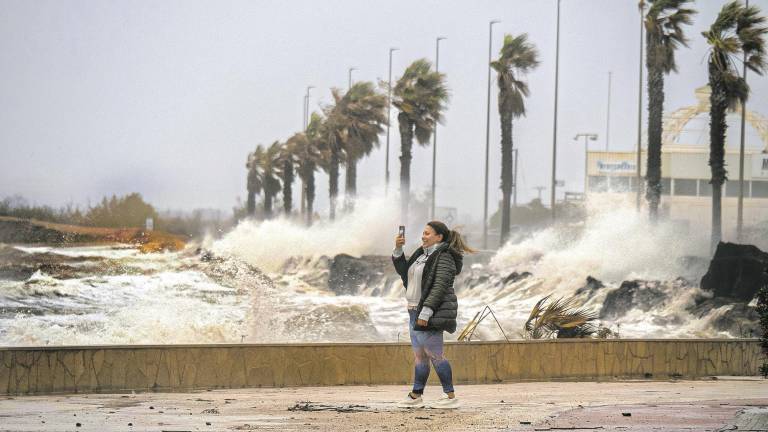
column 166, row 98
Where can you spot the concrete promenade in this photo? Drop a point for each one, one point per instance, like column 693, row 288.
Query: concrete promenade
column 722, row 403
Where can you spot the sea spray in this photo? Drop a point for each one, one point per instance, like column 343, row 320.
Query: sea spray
column 268, row 282
column 370, row 229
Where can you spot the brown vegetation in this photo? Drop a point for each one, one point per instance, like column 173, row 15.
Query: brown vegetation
column 16, row 230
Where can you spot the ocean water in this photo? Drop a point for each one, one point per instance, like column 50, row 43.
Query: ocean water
column 247, row 294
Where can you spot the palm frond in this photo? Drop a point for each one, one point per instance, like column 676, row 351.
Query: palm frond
column 421, row 93
column 737, row 32
column 559, row 317
column 664, row 32
column 516, row 58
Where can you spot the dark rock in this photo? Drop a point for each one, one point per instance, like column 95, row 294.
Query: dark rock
column 736, row 271
column 18, row 265
column 204, row 254
column 739, row 320
column 631, row 295
column 591, row 286
column 515, row 276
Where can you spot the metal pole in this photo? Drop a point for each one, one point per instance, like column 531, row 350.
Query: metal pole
column 608, row 115
column 434, row 132
column 389, row 120
column 306, row 124
column 349, row 83
column 487, row 134
column 303, row 207
column 639, row 178
column 514, row 179
column 539, row 189
column 554, row 129
column 587, row 137
column 740, row 205
column 306, row 107
column 586, row 163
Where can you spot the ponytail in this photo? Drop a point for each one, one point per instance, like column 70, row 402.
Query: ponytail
column 452, row 237
column 457, row 242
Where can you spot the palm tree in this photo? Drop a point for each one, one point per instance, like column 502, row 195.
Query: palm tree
column 738, row 32
column 331, row 136
column 254, row 183
column 286, row 161
column 421, row 96
column 364, row 116
column 516, row 58
column 309, row 156
column 664, row 34
column 262, row 176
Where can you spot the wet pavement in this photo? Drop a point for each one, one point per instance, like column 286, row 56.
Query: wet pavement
column 725, row 403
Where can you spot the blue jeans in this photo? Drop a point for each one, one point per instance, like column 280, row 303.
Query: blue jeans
column 428, row 347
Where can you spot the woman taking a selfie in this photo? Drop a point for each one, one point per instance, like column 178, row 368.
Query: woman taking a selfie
column 432, row 305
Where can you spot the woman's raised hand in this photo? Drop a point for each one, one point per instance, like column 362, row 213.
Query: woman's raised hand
column 399, row 241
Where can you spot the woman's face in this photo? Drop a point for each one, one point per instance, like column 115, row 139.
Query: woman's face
column 429, row 237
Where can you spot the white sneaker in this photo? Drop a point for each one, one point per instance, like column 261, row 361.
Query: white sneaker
column 410, row 402
column 445, row 403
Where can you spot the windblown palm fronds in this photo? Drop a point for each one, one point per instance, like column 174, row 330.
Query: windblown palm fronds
column 561, row 318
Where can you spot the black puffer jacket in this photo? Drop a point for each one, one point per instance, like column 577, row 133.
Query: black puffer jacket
column 436, row 285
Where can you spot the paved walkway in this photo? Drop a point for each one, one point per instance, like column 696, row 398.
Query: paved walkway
column 727, row 403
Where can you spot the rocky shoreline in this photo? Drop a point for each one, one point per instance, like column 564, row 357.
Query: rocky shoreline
column 33, row 232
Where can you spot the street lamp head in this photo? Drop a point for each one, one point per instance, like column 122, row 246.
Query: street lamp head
column 439, row 38
column 394, row 49
column 495, row 22
column 590, row 136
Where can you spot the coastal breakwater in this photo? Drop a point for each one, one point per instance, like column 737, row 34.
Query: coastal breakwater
column 165, row 368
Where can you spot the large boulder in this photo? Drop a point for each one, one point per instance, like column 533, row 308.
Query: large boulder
column 735, row 318
column 635, row 294
column 736, row 271
column 591, row 286
column 19, row 265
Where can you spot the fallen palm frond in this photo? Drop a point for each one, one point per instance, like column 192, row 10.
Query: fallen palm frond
column 559, row 318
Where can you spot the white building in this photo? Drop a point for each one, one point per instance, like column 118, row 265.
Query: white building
column 685, row 172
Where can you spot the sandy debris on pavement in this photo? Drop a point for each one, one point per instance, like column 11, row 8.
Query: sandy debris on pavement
column 619, row 405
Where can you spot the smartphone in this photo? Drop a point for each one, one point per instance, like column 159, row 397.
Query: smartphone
column 401, row 231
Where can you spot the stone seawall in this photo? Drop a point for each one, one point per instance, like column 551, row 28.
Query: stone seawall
column 103, row 369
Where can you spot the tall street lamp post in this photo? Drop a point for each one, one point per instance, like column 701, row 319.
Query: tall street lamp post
column 434, row 132
column 306, row 123
column 306, row 107
column 587, row 137
column 638, row 177
column 554, row 128
column 488, row 133
column 349, row 81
